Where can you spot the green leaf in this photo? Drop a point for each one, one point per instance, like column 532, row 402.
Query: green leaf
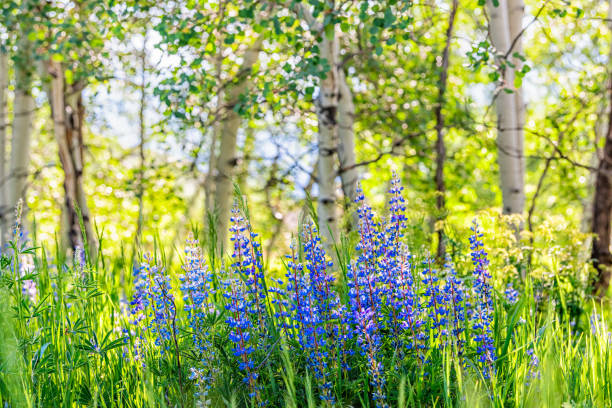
column 69, row 76
column 518, row 81
column 329, row 31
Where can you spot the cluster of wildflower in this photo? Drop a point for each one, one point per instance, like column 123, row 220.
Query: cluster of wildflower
column 202, row 380
column 401, row 296
column 512, row 295
column 197, row 290
column 367, row 291
column 22, row 261
column 393, row 305
column 315, row 312
column 153, row 302
column 483, row 298
column 246, row 297
column 437, row 301
column 534, row 364
column 457, row 305
column 196, row 286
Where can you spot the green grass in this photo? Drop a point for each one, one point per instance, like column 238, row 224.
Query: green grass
column 67, row 349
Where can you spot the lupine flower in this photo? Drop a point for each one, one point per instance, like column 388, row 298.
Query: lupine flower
column 365, row 272
column 436, row 301
column 315, row 310
column 247, row 263
column 457, row 294
column 368, row 339
column 534, row 364
column 247, row 297
column 202, row 381
column 401, row 297
column 30, row 290
column 405, row 299
column 154, row 302
column 512, row 294
column 164, row 310
column 482, row 317
column 196, row 286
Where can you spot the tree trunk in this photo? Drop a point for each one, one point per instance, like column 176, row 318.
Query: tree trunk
column 346, row 136
column 3, row 139
column 509, row 139
column 68, row 114
column 602, row 208
column 600, row 132
column 440, row 145
column 141, row 143
column 516, row 12
column 227, row 160
column 23, row 109
column 327, row 108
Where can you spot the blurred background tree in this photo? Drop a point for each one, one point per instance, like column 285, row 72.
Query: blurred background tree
column 155, row 109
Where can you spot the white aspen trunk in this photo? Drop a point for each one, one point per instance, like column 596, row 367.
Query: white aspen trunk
column 68, row 113
column 227, row 159
column 76, row 119
column 3, row 139
column 209, row 182
column 346, row 136
column 23, row 111
column 510, row 154
column 327, row 108
column 516, row 12
column 71, row 234
column 141, row 142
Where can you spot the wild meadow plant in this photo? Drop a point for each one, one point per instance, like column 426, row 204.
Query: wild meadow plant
column 386, row 327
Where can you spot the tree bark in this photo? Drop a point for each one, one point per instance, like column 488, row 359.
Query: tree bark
column 600, row 133
column 227, row 160
column 23, row 109
column 141, row 142
column 516, row 12
column 327, row 109
column 602, row 207
column 3, row 139
column 509, row 133
column 440, row 145
column 346, row 136
column 209, row 181
column 602, row 210
column 68, row 116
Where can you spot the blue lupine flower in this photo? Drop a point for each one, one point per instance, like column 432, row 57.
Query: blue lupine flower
column 482, row 317
column 315, row 310
column 154, row 302
column 457, row 296
column 436, row 301
column 369, row 341
column 534, row 364
column 512, row 294
column 247, row 298
column 196, row 286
